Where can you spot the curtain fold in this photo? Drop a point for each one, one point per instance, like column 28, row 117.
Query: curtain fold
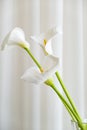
column 85, row 53
column 73, row 56
column 50, row 111
column 24, row 107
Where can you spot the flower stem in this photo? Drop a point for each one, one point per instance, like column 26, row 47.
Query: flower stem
column 67, row 105
column 67, row 95
column 72, row 116
column 34, row 59
column 74, row 113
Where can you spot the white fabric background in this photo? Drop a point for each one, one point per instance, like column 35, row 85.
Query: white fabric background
column 23, row 107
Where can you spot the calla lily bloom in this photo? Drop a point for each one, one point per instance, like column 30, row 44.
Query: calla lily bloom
column 44, row 40
column 35, row 77
column 15, row 37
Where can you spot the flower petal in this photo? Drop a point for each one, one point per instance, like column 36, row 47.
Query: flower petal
column 48, row 47
column 50, row 63
column 35, row 77
column 44, row 40
column 51, row 33
column 15, row 37
column 47, row 36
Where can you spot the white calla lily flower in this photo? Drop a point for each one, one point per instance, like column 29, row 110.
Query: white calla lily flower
column 15, row 37
column 44, row 40
column 35, row 77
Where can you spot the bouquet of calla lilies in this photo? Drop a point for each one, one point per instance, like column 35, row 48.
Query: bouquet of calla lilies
column 42, row 73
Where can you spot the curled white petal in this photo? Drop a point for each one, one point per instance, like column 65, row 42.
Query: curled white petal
column 34, row 76
column 15, row 37
column 51, row 33
column 47, row 36
column 45, row 39
column 48, row 47
column 50, row 63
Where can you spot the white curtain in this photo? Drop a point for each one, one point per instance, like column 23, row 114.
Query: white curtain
column 23, row 107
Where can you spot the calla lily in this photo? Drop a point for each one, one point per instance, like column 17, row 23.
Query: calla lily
column 44, row 40
column 15, row 37
column 35, row 77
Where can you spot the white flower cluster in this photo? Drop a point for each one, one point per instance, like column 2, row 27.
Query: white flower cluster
column 50, row 62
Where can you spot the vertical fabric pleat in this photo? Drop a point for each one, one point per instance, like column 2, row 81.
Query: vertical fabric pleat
column 85, row 54
column 73, row 58
column 51, row 15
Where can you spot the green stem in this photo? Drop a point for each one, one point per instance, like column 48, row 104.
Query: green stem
column 73, row 118
column 67, row 94
column 71, row 112
column 34, row 59
column 66, row 104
